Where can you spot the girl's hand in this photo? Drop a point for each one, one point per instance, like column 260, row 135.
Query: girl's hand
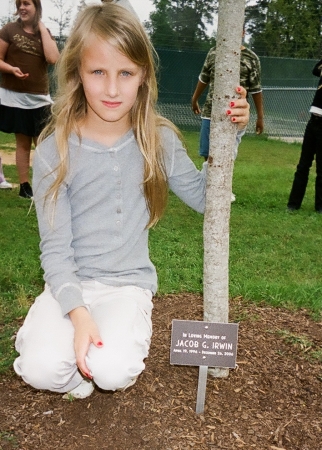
column 17, row 73
column 239, row 109
column 86, row 333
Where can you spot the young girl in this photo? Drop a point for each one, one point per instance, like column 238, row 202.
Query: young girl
column 101, row 177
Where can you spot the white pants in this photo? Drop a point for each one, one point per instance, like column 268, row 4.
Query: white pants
column 46, row 339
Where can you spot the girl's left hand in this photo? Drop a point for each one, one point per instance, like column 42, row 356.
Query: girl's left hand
column 239, row 109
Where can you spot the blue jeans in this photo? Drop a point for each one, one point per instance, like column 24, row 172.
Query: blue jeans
column 205, row 138
column 312, row 146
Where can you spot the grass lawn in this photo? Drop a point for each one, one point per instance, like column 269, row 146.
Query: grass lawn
column 274, row 255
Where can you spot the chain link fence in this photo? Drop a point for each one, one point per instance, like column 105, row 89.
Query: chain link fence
column 288, row 90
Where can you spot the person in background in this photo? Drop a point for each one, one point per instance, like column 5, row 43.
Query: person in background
column 3, row 182
column 311, row 147
column 250, row 79
column 26, row 49
column 101, row 174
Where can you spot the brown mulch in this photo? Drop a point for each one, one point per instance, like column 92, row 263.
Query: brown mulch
column 272, row 400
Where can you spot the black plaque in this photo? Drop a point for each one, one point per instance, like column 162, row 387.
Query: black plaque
column 197, row 343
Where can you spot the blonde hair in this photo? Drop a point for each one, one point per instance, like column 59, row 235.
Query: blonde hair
column 120, row 28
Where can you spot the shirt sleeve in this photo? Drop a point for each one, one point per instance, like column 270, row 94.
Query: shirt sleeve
column 255, row 76
column 205, row 74
column 184, row 179
column 250, row 71
column 4, row 33
column 54, row 221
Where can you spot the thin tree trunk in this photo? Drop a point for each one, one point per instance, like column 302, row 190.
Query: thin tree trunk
column 220, row 166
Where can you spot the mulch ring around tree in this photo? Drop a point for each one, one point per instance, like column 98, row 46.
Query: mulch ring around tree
column 272, row 400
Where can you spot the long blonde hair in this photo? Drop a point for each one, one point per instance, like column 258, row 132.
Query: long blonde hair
column 120, row 28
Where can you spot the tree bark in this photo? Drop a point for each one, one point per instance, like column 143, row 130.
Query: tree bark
column 220, row 165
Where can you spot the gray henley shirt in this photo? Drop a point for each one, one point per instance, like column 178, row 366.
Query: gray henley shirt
column 98, row 228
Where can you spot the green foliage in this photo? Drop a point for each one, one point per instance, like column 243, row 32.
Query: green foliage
column 181, row 24
column 285, row 28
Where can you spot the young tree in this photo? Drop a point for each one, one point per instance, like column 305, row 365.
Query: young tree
column 220, row 166
column 10, row 16
column 63, row 20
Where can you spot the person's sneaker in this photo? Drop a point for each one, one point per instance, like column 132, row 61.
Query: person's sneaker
column 232, row 198
column 25, row 190
column 83, row 390
column 5, row 185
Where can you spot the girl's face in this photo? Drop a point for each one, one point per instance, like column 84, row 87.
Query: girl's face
column 111, row 82
column 27, row 11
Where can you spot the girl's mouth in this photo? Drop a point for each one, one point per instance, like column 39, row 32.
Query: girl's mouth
column 111, row 104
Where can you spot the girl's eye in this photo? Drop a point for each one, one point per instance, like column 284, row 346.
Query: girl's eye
column 125, row 73
column 98, row 72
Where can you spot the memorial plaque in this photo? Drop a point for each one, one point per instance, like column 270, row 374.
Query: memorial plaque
column 198, row 343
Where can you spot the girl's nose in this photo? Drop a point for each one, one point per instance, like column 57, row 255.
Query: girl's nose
column 111, row 87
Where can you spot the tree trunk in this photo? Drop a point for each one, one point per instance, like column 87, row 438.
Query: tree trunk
column 220, row 165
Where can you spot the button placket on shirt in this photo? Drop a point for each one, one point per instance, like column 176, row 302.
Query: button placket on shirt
column 118, row 194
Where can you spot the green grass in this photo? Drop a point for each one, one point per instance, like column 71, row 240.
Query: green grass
column 274, row 255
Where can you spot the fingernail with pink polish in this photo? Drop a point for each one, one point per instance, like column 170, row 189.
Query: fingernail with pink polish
column 228, row 112
column 100, row 344
column 232, row 104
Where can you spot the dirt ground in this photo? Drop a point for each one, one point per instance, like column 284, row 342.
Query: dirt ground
column 272, row 400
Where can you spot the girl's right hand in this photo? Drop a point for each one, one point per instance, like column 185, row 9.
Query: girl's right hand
column 17, row 73
column 86, row 333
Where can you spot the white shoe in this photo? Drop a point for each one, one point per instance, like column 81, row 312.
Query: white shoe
column 83, row 390
column 5, row 185
column 232, row 198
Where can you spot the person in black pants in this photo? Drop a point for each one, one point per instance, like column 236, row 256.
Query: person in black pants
column 312, row 146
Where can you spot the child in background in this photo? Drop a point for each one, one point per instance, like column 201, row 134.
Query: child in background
column 101, row 176
column 26, row 49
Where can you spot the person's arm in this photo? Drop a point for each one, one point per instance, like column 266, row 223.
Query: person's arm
column 57, row 254
column 86, row 333
column 258, row 101
column 49, row 45
column 203, row 80
column 196, row 95
column 55, row 230
column 7, row 68
column 185, row 181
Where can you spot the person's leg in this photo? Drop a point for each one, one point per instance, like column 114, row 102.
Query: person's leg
column 318, row 159
column 23, row 148
column 46, row 346
column 204, row 138
column 303, row 168
column 123, row 316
